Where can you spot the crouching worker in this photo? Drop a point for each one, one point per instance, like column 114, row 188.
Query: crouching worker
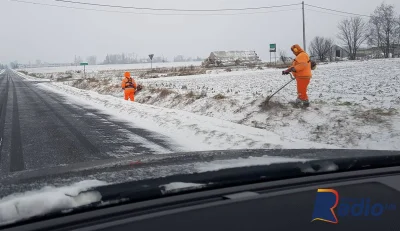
column 129, row 86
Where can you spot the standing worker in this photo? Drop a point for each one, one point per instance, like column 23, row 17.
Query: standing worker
column 301, row 69
column 129, row 86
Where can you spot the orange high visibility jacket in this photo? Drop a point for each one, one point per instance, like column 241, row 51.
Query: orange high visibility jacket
column 301, row 63
column 128, row 83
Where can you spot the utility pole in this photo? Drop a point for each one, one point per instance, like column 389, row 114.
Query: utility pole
column 304, row 29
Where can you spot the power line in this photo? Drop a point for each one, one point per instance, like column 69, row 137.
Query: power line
column 324, row 12
column 338, row 11
column 145, row 13
column 174, row 9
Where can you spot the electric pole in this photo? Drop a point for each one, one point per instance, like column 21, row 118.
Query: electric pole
column 304, row 29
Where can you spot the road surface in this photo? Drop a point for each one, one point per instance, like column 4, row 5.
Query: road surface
column 40, row 129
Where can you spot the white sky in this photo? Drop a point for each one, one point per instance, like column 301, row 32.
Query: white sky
column 30, row 32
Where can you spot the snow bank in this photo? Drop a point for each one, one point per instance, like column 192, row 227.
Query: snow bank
column 49, row 199
column 244, row 162
column 30, row 78
column 179, row 186
column 190, row 131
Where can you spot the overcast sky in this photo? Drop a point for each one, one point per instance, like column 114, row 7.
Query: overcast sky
column 30, row 32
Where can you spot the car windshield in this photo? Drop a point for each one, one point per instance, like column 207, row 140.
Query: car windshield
column 95, row 93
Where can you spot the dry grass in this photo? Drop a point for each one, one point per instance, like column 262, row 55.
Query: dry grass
column 190, row 94
column 173, row 71
column 165, row 92
column 62, row 79
column 92, row 80
column 376, row 115
column 268, row 105
column 219, row 96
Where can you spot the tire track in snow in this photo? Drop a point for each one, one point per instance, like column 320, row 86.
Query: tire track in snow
column 3, row 107
column 142, row 135
column 79, row 136
column 16, row 155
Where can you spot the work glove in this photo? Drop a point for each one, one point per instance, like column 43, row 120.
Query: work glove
column 286, row 72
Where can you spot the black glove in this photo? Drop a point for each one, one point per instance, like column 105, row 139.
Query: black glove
column 286, row 72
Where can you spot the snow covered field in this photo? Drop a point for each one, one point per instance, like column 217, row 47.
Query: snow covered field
column 95, row 68
column 191, row 132
column 354, row 104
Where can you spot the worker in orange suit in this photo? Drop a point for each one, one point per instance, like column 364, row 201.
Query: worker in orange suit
column 129, row 86
column 301, row 70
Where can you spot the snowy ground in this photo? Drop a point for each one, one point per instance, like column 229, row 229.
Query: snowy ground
column 354, row 104
column 190, row 131
column 95, row 68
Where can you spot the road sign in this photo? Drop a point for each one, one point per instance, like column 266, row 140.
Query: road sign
column 272, row 47
column 151, row 60
column 84, row 67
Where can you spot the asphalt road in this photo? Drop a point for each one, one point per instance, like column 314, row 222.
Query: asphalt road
column 40, row 129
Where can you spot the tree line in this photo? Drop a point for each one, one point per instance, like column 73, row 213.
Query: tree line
column 381, row 32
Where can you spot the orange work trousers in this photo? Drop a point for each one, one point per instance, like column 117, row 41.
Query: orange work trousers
column 302, row 85
column 129, row 94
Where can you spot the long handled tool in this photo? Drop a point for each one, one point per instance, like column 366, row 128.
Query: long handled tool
column 291, row 80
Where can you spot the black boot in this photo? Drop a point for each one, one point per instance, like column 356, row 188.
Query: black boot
column 306, row 103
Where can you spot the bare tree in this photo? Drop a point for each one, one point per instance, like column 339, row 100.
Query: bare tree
column 77, row 60
column 383, row 27
column 283, row 56
column 353, row 32
column 14, row 65
column 321, row 48
column 397, row 33
column 92, row 60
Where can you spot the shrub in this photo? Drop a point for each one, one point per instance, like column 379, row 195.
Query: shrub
column 165, row 92
column 219, row 96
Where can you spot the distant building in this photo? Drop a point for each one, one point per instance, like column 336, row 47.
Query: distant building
column 367, row 52
column 339, row 52
column 231, row 58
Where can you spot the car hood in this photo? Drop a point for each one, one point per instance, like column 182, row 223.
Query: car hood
column 143, row 167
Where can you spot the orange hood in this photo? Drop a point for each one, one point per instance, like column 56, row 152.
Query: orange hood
column 296, row 49
column 127, row 74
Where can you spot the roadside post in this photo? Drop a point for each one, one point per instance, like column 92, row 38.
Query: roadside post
column 272, row 49
column 84, row 67
column 151, row 60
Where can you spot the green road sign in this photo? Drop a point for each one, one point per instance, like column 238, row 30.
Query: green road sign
column 84, row 64
column 272, row 47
